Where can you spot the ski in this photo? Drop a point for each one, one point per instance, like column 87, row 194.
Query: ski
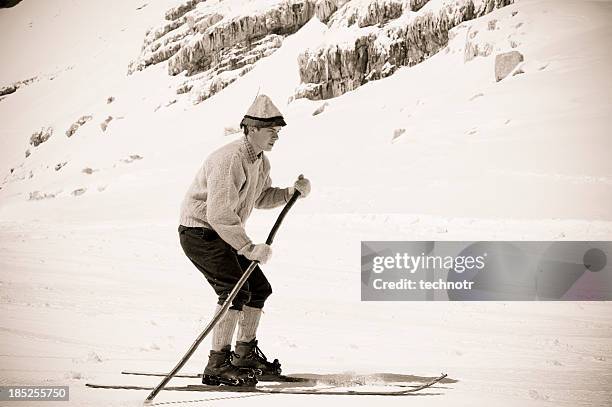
column 264, row 378
column 160, row 374
column 277, row 390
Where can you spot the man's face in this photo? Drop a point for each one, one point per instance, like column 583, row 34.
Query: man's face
column 264, row 138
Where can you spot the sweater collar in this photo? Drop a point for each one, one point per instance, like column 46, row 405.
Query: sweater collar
column 250, row 152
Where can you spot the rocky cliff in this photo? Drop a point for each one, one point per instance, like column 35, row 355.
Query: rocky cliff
column 212, row 43
column 380, row 38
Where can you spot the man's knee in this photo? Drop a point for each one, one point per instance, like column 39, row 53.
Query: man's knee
column 244, row 297
column 266, row 291
column 259, row 296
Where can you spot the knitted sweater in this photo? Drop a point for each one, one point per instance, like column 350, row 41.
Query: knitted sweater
column 229, row 184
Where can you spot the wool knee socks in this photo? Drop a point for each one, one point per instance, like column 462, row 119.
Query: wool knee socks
column 248, row 323
column 224, row 330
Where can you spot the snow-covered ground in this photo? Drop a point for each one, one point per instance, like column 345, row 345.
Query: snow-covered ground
column 96, row 283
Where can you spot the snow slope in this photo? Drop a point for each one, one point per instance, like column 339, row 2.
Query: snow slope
column 96, row 283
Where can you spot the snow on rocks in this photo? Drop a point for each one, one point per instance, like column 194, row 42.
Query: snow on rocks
column 37, row 196
column 202, row 50
column 131, row 158
column 324, row 9
column 75, row 126
column 475, row 49
column 366, row 13
column 180, row 10
column 79, row 191
column 492, row 36
column 39, row 137
column 7, row 90
column 104, row 124
column 12, row 88
column 416, row 5
column 215, row 43
column 235, row 63
column 397, row 133
column 320, row 109
column 359, row 53
column 219, row 42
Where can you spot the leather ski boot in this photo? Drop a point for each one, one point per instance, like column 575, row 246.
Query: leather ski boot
column 250, row 356
column 220, row 370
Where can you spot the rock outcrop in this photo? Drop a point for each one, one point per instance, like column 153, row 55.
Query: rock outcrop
column 416, row 5
column 367, row 13
column 213, row 43
column 39, row 137
column 233, row 63
column 482, row 38
column 324, row 9
column 104, row 124
column 75, row 126
column 506, row 63
column 7, row 90
column 209, row 47
column 37, row 196
column 406, row 39
column 12, row 88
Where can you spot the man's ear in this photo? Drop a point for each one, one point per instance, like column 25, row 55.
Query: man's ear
column 253, row 130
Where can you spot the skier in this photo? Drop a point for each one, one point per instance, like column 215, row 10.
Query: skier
column 232, row 181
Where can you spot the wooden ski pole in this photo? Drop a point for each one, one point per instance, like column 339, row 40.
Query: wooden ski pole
column 219, row 314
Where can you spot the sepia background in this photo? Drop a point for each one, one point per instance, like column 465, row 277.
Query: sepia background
column 413, row 119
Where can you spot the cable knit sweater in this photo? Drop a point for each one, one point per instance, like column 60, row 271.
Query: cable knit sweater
column 229, row 184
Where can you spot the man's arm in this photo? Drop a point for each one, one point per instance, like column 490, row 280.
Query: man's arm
column 271, row 197
column 224, row 179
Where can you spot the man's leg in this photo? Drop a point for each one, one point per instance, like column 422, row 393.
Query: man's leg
column 218, row 263
column 248, row 323
column 246, row 344
column 260, row 290
column 223, row 332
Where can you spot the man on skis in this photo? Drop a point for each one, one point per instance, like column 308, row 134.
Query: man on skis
column 232, row 181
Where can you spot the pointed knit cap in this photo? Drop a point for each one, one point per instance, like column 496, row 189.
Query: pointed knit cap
column 263, row 113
